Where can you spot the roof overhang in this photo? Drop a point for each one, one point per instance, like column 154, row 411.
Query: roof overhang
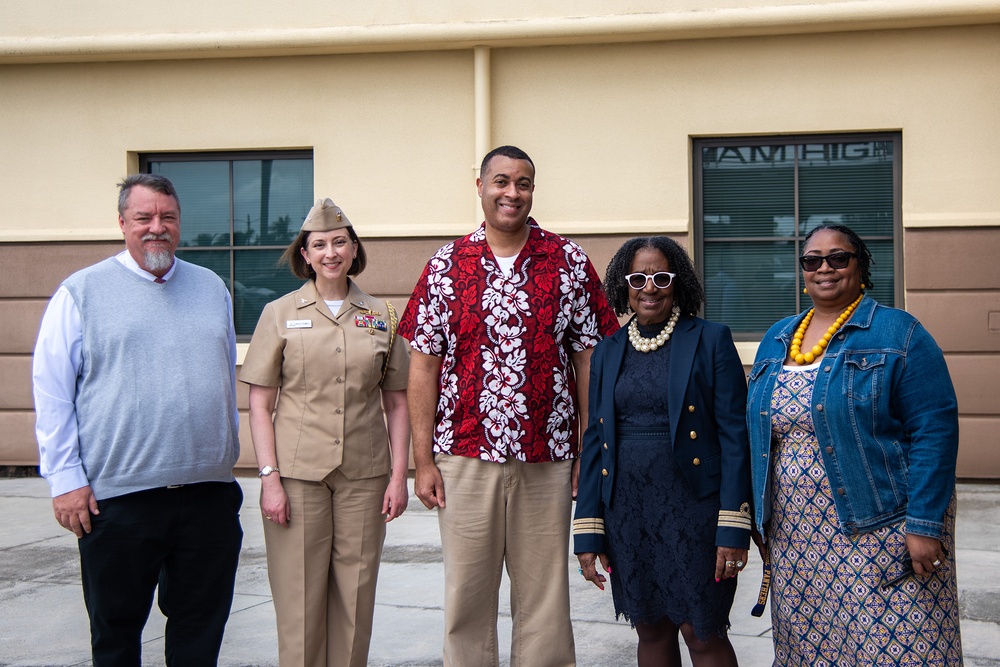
column 856, row 15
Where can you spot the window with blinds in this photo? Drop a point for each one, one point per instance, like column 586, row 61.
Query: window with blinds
column 239, row 211
column 755, row 199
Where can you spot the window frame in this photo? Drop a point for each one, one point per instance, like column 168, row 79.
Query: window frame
column 229, row 156
column 698, row 213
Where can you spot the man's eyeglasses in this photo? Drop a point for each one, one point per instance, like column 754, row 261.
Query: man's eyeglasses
column 661, row 279
column 835, row 260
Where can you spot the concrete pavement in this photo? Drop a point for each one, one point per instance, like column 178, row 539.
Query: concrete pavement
column 43, row 621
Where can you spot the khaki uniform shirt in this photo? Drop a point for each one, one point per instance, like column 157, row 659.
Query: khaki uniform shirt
column 329, row 411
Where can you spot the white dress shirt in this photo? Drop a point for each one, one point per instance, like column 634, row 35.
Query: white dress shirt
column 56, row 366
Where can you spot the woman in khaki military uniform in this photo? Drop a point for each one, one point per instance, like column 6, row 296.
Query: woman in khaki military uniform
column 324, row 361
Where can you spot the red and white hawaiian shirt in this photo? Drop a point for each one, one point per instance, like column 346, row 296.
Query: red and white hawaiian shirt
column 506, row 387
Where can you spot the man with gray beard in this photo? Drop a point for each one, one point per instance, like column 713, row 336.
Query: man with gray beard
column 136, row 420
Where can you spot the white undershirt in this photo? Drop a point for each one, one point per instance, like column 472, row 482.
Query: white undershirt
column 506, row 264
column 334, row 306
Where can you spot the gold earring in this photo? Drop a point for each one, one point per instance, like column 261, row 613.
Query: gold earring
column 863, row 285
column 805, row 291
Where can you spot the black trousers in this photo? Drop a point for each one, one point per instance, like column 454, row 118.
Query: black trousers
column 186, row 540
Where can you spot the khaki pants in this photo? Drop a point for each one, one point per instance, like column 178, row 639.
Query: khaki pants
column 323, row 569
column 518, row 513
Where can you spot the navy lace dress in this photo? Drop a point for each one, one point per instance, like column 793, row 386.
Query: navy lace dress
column 661, row 540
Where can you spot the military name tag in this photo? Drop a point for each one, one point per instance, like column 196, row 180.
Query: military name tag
column 298, row 324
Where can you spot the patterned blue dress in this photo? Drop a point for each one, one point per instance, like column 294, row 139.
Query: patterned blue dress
column 661, row 540
column 830, row 603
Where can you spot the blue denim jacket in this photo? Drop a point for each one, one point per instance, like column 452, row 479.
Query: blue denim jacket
column 886, row 420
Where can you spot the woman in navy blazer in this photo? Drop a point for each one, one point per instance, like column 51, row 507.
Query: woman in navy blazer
column 664, row 496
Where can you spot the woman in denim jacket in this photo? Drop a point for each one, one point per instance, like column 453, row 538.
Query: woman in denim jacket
column 853, row 427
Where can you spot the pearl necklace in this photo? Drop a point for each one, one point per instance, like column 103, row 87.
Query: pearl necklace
column 650, row 344
column 817, row 351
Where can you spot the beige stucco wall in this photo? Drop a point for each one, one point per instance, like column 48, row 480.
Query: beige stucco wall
column 374, row 122
column 635, row 107
column 608, row 125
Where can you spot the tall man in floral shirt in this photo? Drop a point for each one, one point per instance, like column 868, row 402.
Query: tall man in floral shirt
column 502, row 323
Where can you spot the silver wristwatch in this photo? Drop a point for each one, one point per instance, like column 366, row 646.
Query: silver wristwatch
column 267, row 470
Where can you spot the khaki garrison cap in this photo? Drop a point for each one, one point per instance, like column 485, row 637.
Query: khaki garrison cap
column 325, row 216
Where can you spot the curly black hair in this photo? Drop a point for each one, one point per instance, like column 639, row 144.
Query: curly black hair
column 865, row 259
column 688, row 293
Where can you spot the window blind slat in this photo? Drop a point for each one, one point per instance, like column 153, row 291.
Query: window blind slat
column 759, row 200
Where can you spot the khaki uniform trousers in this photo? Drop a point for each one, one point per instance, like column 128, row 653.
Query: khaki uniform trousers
column 323, row 569
column 513, row 512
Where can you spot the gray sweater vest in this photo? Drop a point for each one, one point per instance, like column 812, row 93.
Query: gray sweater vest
column 155, row 399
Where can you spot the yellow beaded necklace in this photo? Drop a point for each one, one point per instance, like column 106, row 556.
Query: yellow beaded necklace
column 800, row 333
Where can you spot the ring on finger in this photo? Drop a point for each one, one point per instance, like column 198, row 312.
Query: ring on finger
column 730, row 563
column 740, row 564
column 937, row 563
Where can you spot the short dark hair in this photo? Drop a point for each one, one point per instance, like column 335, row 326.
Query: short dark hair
column 301, row 270
column 155, row 182
column 688, row 293
column 513, row 152
column 865, row 259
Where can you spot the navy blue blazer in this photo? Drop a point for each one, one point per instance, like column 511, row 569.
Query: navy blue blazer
column 707, row 404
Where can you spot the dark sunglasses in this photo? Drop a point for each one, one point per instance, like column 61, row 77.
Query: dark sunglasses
column 661, row 279
column 835, row 260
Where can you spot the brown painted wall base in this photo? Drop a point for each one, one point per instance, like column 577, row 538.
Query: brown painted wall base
column 952, row 285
